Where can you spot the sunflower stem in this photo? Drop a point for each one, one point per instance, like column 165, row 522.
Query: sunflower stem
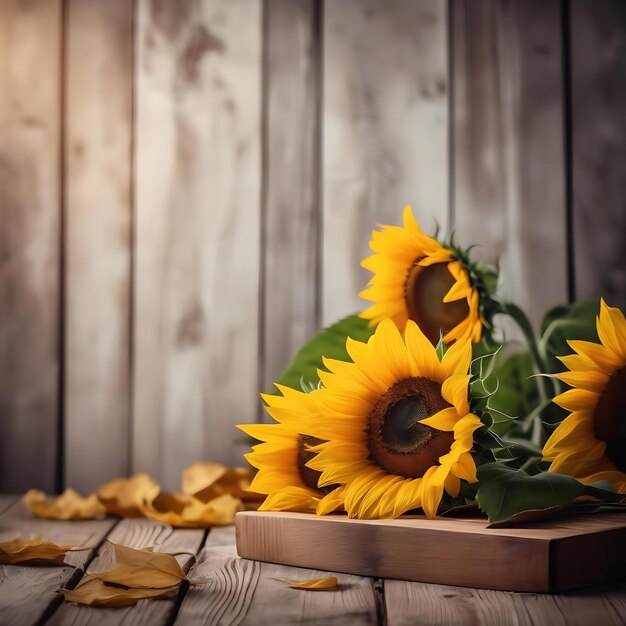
column 522, row 321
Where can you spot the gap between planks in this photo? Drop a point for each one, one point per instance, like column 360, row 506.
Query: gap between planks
column 29, row 593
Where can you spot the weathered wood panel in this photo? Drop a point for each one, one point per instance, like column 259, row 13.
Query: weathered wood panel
column 197, row 231
column 292, row 211
column 136, row 533
column 27, row 592
column 98, row 169
column 598, row 80
column 508, row 145
column 384, row 131
column 30, row 215
column 7, row 500
column 420, row 604
column 229, row 590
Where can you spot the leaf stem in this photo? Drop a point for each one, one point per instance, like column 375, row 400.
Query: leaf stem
column 522, row 321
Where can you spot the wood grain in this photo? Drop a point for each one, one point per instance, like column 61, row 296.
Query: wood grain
column 292, row 212
column 570, row 553
column 197, row 231
column 598, row 68
column 229, row 590
column 30, row 214
column 508, row 155
column 27, row 592
column 136, row 533
column 438, row 605
column 98, row 127
column 384, row 131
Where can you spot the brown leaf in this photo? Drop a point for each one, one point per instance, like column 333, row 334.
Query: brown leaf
column 315, row 584
column 95, row 592
column 188, row 512
column 527, row 517
column 143, row 569
column 37, row 550
column 68, row 506
column 124, row 497
column 206, row 481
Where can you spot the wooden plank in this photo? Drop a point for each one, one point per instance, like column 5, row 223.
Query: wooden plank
column 30, row 214
column 229, row 590
column 27, row 592
column 568, row 553
column 598, row 81
column 98, row 240
column 197, row 231
column 507, row 134
column 292, row 212
column 384, row 131
column 136, row 533
column 7, row 500
column 438, row 605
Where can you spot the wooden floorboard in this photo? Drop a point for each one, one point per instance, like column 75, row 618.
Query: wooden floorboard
column 6, row 500
column 136, row 533
column 421, row 604
column 230, row 590
column 27, row 593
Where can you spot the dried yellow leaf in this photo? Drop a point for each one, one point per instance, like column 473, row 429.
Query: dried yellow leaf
column 68, row 506
column 143, row 569
column 315, row 584
column 36, row 550
column 188, row 512
column 125, row 496
column 95, row 592
column 206, row 481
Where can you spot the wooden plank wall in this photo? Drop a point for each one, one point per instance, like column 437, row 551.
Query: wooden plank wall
column 187, row 188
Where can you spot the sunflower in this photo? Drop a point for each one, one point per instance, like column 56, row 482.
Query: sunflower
column 590, row 443
column 396, row 425
column 282, row 456
column 416, row 278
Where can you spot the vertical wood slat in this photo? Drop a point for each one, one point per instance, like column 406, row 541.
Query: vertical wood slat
column 291, row 220
column 598, row 80
column 508, row 155
column 384, row 131
column 197, row 231
column 98, row 164
column 30, row 214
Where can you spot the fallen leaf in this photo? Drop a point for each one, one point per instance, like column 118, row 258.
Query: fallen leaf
column 37, row 550
column 68, row 506
column 95, row 592
column 124, row 497
column 315, row 584
column 184, row 511
column 206, row 481
column 143, row 569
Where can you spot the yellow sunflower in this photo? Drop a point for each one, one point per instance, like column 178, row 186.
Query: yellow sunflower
column 416, row 278
column 590, row 443
column 396, row 425
column 281, row 459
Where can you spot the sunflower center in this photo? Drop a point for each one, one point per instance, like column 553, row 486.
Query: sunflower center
column 610, row 418
column 424, row 291
column 398, row 442
column 309, row 476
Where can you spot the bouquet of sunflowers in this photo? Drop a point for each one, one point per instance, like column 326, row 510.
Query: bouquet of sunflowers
column 419, row 403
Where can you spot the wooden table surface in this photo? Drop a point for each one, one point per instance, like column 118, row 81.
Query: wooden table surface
column 229, row 590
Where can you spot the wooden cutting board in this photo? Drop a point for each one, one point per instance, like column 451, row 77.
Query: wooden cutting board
column 547, row 557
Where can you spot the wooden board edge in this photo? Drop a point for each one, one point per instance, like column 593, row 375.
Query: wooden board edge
column 428, row 556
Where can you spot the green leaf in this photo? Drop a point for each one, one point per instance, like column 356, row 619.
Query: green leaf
column 567, row 322
column 505, row 492
column 331, row 343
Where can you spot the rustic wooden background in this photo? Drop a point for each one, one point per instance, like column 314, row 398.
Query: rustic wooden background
column 187, row 187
